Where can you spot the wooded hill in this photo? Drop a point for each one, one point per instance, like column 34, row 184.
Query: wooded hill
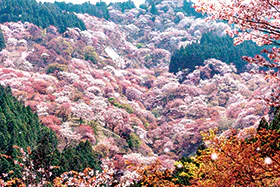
column 26, row 144
column 212, row 46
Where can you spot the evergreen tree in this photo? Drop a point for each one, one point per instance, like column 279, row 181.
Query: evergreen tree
column 263, row 124
column 212, row 46
column 45, row 154
column 154, row 9
column 79, row 158
column 127, row 5
column 189, row 10
column 144, row 6
column 40, row 14
column 91, row 159
column 20, row 128
column 2, row 41
column 100, row 9
column 275, row 124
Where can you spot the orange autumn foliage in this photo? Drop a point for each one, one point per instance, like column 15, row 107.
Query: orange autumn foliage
column 152, row 175
column 236, row 161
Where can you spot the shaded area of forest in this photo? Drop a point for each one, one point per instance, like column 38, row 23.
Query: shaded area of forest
column 2, row 41
column 60, row 15
column 26, row 144
column 212, row 46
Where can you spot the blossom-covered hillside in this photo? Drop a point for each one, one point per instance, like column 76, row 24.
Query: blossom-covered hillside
column 110, row 84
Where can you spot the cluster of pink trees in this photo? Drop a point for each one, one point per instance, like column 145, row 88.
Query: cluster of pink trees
column 254, row 20
column 72, row 84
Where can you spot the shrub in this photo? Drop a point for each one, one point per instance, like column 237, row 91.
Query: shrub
column 126, row 106
column 140, row 45
column 156, row 112
column 134, row 141
column 90, row 54
column 56, row 67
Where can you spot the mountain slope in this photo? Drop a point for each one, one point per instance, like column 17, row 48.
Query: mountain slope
column 23, row 137
column 42, row 15
column 109, row 84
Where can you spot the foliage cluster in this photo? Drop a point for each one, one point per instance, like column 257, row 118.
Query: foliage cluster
column 144, row 6
column 212, row 46
column 154, row 9
column 2, row 41
column 90, row 54
column 56, row 67
column 126, row 107
column 188, row 9
column 18, row 126
column 250, row 159
column 100, row 9
column 257, row 21
column 21, row 130
column 134, row 141
column 42, row 15
column 153, row 175
column 127, row 5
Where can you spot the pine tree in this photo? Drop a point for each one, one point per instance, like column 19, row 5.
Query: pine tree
column 212, row 46
column 40, row 14
column 263, row 124
column 2, row 41
column 275, row 124
column 19, row 126
column 88, row 156
column 44, row 154
column 154, row 9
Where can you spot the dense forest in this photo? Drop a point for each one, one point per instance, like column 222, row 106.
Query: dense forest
column 2, row 41
column 188, row 9
column 127, row 5
column 42, row 15
column 26, row 144
column 100, row 9
column 212, row 46
column 29, row 151
column 96, row 106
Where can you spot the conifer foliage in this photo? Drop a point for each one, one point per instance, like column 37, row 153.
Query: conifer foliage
column 127, row 5
column 43, row 15
column 19, row 126
column 25, row 144
column 2, row 41
column 100, row 9
column 188, row 9
column 253, row 20
column 212, row 46
column 154, row 9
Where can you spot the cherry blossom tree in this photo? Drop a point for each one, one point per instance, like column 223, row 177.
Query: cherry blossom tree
column 114, row 118
column 50, row 120
column 256, row 20
column 64, row 111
